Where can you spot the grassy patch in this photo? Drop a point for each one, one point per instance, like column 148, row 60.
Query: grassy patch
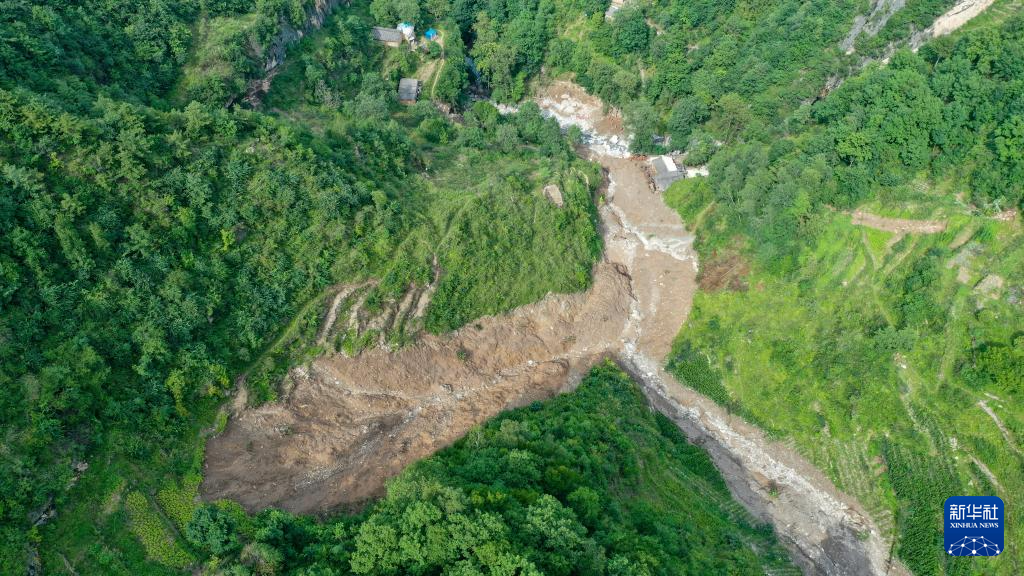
column 159, row 541
column 860, row 357
column 218, row 65
column 179, row 500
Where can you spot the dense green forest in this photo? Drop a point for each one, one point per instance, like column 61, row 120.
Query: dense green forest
column 151, row 250
column 892, row 359
column 155, row 244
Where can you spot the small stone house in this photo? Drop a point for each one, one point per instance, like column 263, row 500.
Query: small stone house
column 408, row 90
column 387, row 36
column 665, row 172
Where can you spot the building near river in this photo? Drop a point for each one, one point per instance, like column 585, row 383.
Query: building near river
column 665, row 172
column 407, row 30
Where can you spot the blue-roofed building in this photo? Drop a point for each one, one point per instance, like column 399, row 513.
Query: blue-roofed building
column 431, row 34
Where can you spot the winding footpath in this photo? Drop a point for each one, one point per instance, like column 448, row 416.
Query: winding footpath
column 345, row 425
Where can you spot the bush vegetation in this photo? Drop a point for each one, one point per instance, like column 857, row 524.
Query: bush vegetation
column 150, row 251
column 161, row 545
column 153, row 244
column 878, row 353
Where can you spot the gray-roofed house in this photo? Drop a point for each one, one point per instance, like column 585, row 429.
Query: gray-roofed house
column 665, row 172
column 388, row 36
column 408, row 90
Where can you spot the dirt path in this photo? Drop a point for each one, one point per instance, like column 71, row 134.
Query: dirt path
column 961, row 13
column 348, row 424
column 897, row 225
column 999, row 423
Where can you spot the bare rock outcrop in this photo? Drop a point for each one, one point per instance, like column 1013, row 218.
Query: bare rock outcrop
column 871, row 23
column 274, row 54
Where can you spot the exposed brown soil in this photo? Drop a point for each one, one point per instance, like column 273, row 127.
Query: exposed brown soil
column 554, row 194
column 346, row 425
column 349, row 424
column 897, row 225
column 961, row 13
column 1006, row 215
column 724, row 271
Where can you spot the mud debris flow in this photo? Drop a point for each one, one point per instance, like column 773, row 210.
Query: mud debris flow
column 346, row 425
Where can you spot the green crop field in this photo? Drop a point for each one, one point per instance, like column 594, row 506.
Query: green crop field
column 866, row 357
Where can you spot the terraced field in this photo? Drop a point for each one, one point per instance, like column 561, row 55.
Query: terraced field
column 829, row 360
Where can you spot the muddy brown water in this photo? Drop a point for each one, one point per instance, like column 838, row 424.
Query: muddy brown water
column 346, row 425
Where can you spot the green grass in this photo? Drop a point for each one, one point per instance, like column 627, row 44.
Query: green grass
column 916, row 200
column 877, row 243
column 833, row 357
column 179, row 500
column 102, row 528
column 218, row 64
column 159, row 541
column 994, row 15
column 500, row 243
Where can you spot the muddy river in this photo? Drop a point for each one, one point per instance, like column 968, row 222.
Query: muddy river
column 345, row 425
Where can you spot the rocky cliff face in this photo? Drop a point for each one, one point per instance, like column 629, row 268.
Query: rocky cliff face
column 275, row 54
column 881, row 11
column 872, row 22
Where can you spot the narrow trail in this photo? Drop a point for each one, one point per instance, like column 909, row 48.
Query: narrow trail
column 999, row 423
column 897, row 225
column 346, row 425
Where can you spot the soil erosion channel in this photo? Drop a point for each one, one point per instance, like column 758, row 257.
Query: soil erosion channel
column 345, row 425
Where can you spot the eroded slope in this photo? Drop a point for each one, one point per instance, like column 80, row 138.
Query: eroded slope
column 346, row 425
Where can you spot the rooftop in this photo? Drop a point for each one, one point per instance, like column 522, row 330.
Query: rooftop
column 665, row 165
column 386, row 34
column 408, row 89
column 665, row 172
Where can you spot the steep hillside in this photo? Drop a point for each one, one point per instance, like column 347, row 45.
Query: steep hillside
column 151, row 253
column 859, row 231
column 873, row 266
